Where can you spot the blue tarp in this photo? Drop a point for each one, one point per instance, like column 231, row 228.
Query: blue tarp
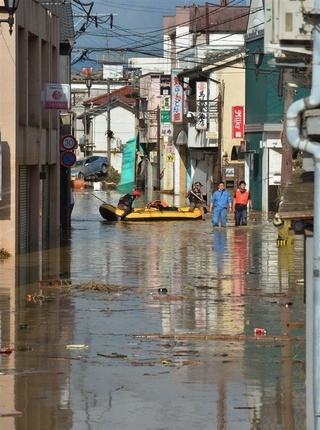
column 127, row 182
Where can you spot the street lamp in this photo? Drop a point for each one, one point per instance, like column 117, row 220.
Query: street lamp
column 10, row 6
column 89, row 83
column 257, row 57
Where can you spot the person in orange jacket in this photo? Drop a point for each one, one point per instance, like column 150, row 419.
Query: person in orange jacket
column 240, row 204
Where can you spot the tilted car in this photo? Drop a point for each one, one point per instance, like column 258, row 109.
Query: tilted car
column 92, row 167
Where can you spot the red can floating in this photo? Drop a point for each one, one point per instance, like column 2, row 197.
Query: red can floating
column 5, row 350
column 260, row 331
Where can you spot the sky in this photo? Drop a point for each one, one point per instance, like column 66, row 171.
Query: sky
column 137, row 29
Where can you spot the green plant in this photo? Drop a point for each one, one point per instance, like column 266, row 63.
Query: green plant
column 113, row 175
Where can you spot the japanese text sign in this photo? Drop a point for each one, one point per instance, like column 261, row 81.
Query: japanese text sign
column 176, row 98
column 237, row 122
column 202, row 106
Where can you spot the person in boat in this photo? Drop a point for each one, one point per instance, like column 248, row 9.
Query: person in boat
column 125, row 203
column 196, row 199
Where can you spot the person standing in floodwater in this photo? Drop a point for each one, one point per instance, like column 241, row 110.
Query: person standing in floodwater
column 240, row 204
column 221, row 201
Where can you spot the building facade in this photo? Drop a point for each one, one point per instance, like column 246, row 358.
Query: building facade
column 30, row 134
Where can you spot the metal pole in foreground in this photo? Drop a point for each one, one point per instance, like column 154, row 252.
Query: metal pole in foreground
column 296, row 139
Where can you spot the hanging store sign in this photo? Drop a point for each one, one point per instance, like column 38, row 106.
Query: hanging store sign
column 165, row 103
column 166, row 129
column 164, row 116
column 57, row 96
column 165, row 85
column 237, row 122
column 202, row 105
column 176, row 98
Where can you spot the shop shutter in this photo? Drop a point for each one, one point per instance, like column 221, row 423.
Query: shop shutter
column 45, row 203
column 24, row 209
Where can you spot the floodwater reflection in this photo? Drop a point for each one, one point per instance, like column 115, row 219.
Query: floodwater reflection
column 182, row 360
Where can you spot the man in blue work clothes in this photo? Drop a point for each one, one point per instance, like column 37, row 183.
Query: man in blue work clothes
column 221, row 201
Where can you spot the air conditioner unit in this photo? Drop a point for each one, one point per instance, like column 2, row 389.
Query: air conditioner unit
column 287, row 27
column 292, row 21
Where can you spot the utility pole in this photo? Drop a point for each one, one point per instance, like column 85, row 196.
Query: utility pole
column 108, row 125
column 158, row 147
column 219, row 162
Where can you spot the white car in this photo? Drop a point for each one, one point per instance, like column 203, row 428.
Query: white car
column 92, row 167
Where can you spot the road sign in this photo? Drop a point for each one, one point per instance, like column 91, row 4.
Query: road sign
column 68, row 142
column 68, row 159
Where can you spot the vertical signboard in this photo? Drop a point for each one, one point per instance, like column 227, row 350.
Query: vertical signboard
column 202, row 105
column 165, row 112
column 237, row 122
column 176, row 98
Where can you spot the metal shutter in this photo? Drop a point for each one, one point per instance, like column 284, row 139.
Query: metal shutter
column 45, row 203
column 24, row 209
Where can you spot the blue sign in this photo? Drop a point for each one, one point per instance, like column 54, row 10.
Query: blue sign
column 68, row 159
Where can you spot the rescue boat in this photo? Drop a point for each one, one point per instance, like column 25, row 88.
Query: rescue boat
column 150, row 212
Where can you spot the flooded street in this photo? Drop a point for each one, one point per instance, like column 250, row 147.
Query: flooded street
column 175, row 349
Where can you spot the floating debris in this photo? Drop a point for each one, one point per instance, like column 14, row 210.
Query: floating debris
column 5, row 350
column 36, row 297
column 77, row 346
column 166, row 297
column 97, row 286
column 259, row 331
column 10, row 413
column 295, row 324
column 113, row 355
column 4, row 253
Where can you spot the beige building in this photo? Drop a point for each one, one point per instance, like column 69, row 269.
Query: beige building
column 30, row 134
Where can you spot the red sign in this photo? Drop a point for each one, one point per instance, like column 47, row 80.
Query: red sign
column 237, row 122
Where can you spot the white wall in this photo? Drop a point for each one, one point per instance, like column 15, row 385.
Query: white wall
column 122, row 123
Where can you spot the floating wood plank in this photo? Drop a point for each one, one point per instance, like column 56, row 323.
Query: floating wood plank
column 240, row 337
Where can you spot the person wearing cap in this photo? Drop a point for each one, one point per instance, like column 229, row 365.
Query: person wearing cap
column 196, row 200
column 125, row 203
column 221, row 201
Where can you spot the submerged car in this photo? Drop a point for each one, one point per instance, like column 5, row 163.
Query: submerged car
column 92, row 167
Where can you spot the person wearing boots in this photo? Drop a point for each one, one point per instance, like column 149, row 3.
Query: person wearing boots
column 240, row 204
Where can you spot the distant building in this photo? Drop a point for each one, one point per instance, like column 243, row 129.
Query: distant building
column 109, row 122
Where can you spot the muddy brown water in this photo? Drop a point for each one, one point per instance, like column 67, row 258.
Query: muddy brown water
column 140, row 359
